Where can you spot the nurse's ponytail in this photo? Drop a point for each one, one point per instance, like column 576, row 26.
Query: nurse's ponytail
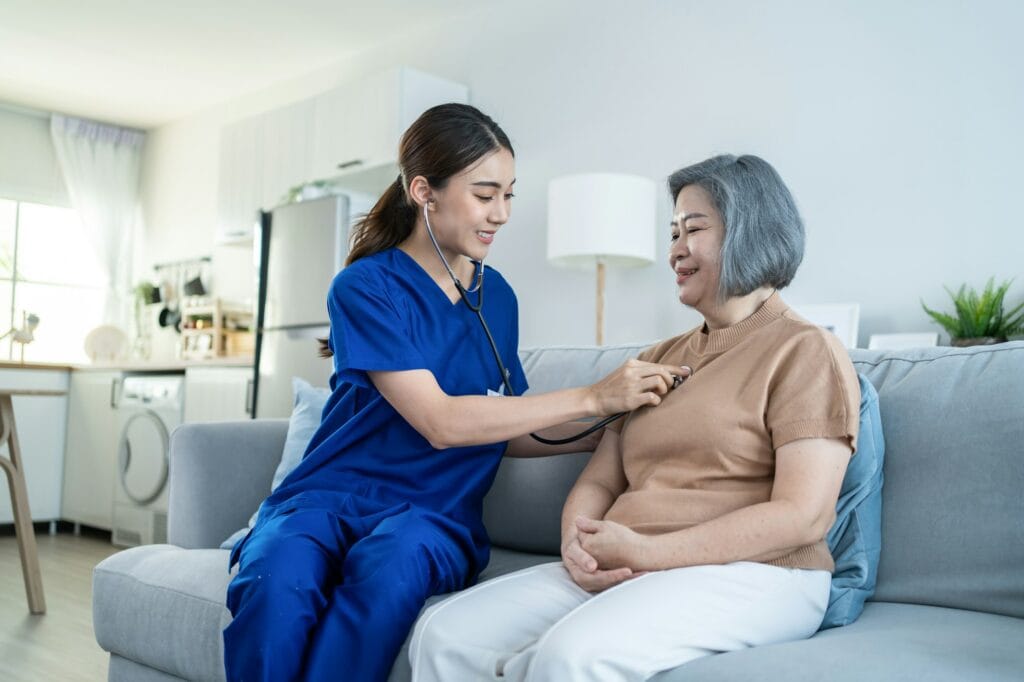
column 444, row 141
column 389, row 223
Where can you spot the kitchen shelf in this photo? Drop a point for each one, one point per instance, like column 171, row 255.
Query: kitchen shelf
column 227, row 330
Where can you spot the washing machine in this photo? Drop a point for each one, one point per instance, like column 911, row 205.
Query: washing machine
column 149, row 409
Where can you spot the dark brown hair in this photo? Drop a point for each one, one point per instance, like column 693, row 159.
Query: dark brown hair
column 442, row 142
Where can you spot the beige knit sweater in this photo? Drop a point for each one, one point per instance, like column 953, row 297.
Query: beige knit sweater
column 709, row 448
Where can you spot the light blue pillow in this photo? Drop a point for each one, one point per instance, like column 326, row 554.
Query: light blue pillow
column 308, row 406
column 856, row 536
column 307, row 410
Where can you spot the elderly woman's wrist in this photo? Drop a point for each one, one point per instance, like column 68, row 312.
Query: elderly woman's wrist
column 647, row 554
column 568, row 537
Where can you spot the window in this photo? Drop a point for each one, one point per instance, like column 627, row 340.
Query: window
column 47, row 269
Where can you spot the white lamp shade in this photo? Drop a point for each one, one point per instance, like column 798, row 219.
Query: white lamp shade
column 601, row 215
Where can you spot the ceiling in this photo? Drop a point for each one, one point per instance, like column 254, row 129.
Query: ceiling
column 143, row 63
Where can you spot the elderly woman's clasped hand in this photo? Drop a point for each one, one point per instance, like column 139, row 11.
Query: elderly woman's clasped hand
column 601, row 554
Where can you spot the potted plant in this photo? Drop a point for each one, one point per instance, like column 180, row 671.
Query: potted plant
column 144, row 293
column 309, row 190
column 980, row 318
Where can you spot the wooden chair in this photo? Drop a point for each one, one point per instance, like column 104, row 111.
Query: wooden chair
column 12, row 466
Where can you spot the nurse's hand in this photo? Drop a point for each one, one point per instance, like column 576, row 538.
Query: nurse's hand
column 635, row 384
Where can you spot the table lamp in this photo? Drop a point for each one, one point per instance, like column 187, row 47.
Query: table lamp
column 601, row 219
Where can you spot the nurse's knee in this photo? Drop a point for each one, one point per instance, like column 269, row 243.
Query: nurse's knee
column 279, row 574
column 412, row 551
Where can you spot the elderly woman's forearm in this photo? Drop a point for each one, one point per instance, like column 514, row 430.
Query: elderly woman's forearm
column 588, row 499
column 760, row 532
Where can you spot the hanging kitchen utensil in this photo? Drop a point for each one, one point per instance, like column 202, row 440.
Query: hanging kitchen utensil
column 167, row 296
column 194, row 287
column 174, row 320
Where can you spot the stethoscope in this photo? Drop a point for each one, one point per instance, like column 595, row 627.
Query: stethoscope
column 478, row 288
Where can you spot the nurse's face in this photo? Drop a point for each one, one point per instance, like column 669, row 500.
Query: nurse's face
column 468, row 212
column 696, row 252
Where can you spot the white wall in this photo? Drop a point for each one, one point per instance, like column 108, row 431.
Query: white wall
column 896, row 125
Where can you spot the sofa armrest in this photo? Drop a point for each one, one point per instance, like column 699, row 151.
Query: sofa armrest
column 220, row 472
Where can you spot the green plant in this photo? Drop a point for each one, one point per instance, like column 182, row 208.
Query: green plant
column 144, row 292
column 980, row 315
column 318, row 187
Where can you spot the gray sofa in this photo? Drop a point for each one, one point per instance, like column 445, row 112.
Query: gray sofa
column 949, row 603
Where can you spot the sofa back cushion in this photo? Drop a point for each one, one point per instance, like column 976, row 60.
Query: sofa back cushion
column 523, row 509
column 953, row 501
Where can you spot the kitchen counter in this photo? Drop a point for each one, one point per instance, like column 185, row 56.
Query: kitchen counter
column 162, row 365
column 14, row 364
column 131, row 365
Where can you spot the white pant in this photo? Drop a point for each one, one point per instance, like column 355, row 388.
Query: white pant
column 537, row 624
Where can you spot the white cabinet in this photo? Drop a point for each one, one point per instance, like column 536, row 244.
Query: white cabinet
column 218, row 393
column 261, row 158
column 240, row 189
column 358, row 125
column 354, row 126
column 287, row 148
column 352, row 130
column 93, row 435
column 40, row 423
column 90, row 460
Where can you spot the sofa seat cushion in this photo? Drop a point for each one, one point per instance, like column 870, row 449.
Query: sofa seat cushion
column 123, row 670
column 163, row 607
column 889, row 642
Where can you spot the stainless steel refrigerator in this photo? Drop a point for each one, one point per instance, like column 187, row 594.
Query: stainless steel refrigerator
column 300, row 248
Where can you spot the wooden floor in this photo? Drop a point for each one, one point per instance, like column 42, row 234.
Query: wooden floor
column 60, row 644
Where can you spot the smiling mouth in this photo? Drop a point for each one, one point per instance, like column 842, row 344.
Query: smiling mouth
column 485, row 237
column 683, row 275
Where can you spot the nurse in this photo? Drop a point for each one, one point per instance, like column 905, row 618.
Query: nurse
column 385, row 508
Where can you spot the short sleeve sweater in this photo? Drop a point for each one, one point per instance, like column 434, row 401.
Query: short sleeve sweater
column 709, row 448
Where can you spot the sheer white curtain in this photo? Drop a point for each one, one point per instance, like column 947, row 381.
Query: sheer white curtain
column 101, row 165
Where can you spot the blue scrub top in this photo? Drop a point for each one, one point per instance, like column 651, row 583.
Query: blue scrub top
column 388, row 314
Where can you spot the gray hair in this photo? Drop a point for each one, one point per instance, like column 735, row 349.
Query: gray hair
column 764, row 235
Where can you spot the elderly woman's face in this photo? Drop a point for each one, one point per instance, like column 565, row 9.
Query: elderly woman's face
column 696, row 252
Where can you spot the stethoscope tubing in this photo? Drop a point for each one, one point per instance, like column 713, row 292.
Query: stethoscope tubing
column 478, row 309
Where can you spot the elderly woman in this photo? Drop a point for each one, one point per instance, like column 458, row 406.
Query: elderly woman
column 699, row 524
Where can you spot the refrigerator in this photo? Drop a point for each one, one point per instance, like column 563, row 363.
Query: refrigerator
column 300, row 248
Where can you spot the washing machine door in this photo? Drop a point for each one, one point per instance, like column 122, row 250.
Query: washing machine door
column 142, row 457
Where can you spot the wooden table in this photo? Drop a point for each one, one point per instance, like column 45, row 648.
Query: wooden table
column 12, row 466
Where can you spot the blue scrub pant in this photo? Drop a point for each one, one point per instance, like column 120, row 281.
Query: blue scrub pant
column 331, row 594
